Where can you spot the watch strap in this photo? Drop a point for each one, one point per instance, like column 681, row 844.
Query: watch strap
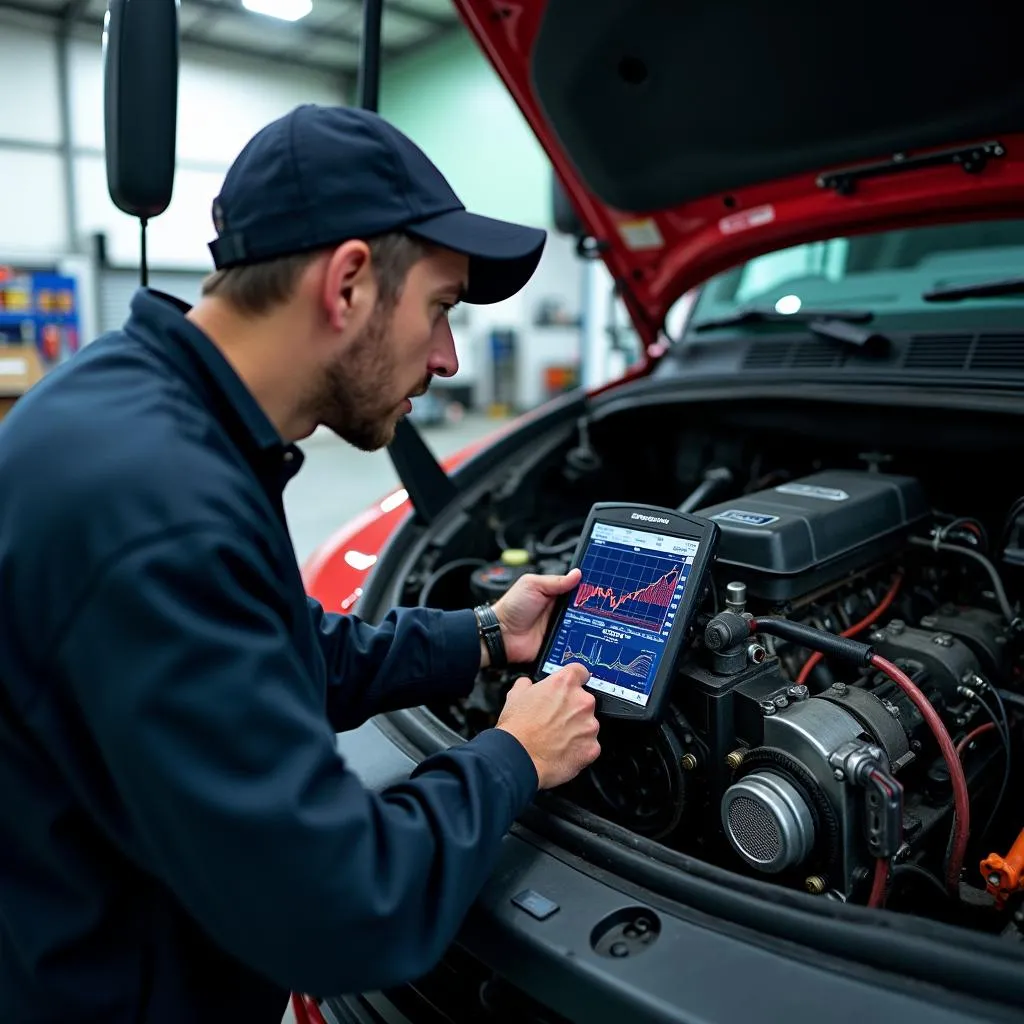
column 489, row 629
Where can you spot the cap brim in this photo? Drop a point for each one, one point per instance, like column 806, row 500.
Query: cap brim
column 502, row 256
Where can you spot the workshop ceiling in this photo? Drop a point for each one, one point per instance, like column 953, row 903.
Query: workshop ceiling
column 327, row 39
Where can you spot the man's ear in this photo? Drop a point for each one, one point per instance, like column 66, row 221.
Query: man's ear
column 348, row 284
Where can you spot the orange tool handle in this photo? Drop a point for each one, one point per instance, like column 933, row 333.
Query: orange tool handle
column 1005, row 875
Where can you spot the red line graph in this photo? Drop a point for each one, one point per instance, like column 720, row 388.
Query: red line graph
column 604, row 599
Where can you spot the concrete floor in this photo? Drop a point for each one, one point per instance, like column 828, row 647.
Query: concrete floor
column 337, row 481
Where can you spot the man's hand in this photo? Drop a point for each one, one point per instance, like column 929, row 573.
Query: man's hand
column 524, row 612
column 554, row 720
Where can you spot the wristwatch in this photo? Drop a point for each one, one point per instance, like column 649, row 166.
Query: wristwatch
column 489, row 628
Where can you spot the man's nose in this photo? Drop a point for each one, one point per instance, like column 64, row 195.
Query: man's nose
column 444, row 362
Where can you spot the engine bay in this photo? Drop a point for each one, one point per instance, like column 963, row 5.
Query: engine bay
column 861, row 632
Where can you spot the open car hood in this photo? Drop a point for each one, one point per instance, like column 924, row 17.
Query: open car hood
column 692, row 135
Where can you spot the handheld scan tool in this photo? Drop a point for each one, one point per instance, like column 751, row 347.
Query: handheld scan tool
column 645, row 571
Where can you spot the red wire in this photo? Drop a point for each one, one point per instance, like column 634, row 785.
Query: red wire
column 961, row 803
column 973, row 735
column 877, row 897
column 880, row 779
column 869, row 620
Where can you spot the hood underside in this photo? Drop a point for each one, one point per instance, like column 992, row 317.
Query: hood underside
column 690, row 136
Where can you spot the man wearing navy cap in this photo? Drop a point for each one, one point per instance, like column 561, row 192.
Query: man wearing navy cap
column 179, row 839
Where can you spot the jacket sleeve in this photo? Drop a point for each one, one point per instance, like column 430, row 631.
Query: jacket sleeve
column 416, row 655
column 225, row 782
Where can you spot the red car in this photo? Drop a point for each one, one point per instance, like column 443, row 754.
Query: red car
column 842, row 188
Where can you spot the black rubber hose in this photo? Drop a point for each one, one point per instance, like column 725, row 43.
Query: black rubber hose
column 438, row 574
column 714, row 480
column 729, row 629
column 990, row 569
column 1016, row 699
column 829, row 644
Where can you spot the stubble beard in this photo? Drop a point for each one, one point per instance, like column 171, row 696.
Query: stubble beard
column 357, row 401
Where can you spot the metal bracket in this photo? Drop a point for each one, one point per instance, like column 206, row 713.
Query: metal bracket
column 856, row 760
column 973, row 160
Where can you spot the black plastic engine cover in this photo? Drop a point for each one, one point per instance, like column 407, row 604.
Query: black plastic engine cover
column 791, row 539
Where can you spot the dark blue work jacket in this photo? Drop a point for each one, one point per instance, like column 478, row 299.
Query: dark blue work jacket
column 179, row 839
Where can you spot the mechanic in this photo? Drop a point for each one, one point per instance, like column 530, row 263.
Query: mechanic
column 180, row 840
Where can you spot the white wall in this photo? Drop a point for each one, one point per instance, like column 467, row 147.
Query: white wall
column 223, row 101
column 32, row 208
column 559, row 276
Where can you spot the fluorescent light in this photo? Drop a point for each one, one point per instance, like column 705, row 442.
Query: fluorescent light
column 285, row 10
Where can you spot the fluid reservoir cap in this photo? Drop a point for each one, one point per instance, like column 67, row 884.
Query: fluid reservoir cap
column 515, row 556
column 489, row 582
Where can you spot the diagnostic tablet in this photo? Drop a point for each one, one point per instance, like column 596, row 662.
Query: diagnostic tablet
column 645, row 572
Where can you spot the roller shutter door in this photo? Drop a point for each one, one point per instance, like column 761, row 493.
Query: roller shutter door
column 118, row 286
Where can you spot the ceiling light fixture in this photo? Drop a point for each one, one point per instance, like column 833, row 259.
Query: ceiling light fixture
column 284, row 10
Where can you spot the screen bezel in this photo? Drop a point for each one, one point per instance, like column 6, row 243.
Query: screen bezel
column 681, row 525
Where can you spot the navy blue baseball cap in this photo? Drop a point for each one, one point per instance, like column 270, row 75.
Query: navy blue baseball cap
column 321, row 175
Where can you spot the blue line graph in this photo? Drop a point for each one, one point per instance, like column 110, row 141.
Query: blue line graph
column 620, row 662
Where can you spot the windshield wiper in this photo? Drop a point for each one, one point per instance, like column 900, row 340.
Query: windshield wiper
column 772, row 316
column 982, row 290
column 834, row 324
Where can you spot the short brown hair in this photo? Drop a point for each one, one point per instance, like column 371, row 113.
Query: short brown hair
column 256, row 288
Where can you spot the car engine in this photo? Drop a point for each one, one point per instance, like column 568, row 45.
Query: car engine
column 783, row 756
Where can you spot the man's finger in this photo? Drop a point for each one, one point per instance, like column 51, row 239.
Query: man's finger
column 578, row 673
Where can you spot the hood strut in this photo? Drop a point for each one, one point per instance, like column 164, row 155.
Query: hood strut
column 430, row 488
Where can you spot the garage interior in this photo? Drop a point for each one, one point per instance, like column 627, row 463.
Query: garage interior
column 241, row 67
column 811, row 682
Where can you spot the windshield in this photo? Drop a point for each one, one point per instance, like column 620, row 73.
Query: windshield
column 887, row 273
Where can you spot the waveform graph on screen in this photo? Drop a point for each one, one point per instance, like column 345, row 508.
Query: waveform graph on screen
column 620, row 662
column 628, row 586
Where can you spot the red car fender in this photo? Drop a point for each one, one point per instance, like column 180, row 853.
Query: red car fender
column 305, row 1010
column 335, row 572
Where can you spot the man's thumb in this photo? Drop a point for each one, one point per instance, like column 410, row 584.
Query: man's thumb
column 561, row 584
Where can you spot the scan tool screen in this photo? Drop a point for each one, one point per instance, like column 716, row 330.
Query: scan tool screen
column 620, row 617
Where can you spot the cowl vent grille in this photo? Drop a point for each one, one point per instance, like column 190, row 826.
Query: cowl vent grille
column 938, row 351
column 781, row 355
column 990, row 354
column 966, row 353
column 1001, row 352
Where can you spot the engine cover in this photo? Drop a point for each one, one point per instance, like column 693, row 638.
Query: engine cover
column 804, row 534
